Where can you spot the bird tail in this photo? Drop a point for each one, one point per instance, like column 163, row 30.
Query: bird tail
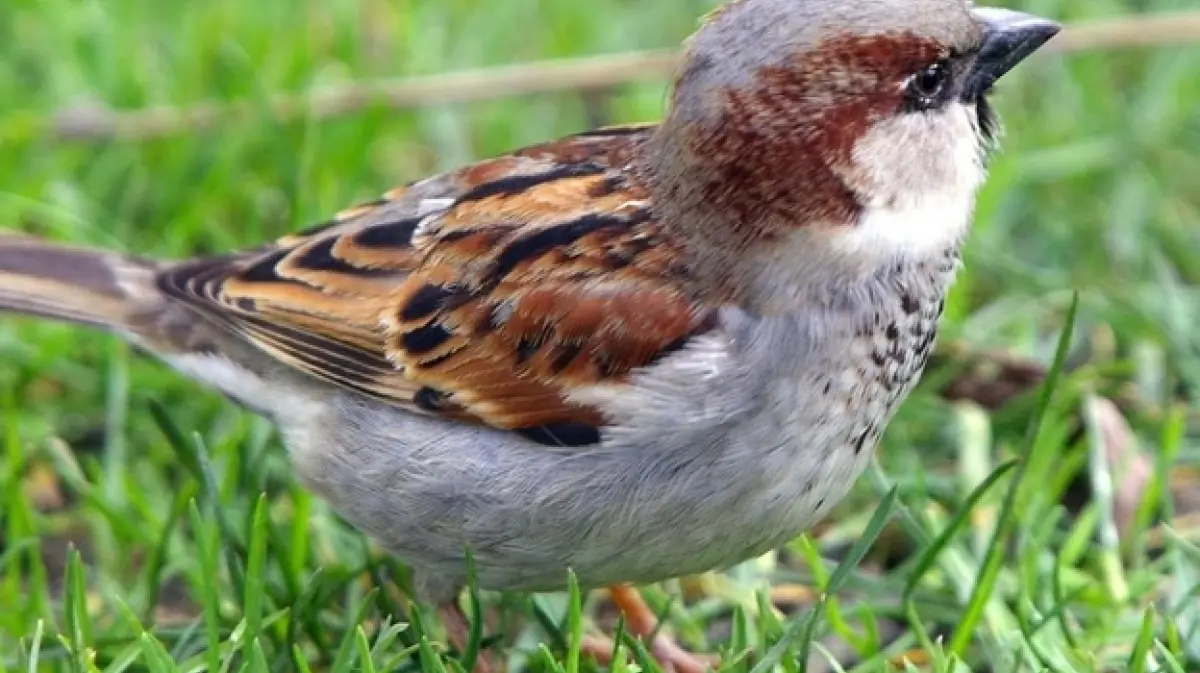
column 90, row 287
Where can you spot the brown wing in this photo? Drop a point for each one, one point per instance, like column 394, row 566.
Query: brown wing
column 485, row 295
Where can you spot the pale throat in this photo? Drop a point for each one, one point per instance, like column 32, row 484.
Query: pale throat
column 920, row 229
column 890, row 248
column 917, row 201
column 910, row 231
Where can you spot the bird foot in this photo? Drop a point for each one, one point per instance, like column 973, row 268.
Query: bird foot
column 669, row 654
column 642, row 622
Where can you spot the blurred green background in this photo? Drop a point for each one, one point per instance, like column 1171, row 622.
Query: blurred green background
column 1093, row 192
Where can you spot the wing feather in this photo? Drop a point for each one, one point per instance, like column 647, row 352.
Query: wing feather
column 483, row 295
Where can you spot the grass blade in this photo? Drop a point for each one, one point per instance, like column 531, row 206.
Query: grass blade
column 475, row 636
column 255, row 595
column 961, row 518
column 77, row 618
column 994, row 555
column 207, row 540
column 574, row 622
column 348, row 648
column 798, row 625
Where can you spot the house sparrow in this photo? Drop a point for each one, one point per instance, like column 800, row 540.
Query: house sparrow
column 637, row 352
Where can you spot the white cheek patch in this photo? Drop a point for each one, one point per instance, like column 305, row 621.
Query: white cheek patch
column 926, row 204
column 920, row 229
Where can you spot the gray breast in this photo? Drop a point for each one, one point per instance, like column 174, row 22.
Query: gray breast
column 895, row 344
column 770, row 430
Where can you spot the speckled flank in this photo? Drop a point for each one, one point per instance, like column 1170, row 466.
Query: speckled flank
column 780, row 415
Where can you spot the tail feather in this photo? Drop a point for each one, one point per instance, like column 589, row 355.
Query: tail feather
column 120, row 294
column 91, row 287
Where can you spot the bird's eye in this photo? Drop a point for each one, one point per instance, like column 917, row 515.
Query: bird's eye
column 928, row 83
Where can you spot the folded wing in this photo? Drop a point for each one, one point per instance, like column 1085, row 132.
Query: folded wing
column 486, row 295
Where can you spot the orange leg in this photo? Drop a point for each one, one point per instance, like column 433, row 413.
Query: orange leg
column 640, row 620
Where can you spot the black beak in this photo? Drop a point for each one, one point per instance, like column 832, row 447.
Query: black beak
column 1008, row 37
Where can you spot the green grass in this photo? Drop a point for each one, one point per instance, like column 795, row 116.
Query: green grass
column 182, row 542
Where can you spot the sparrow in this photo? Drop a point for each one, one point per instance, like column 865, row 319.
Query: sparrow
column 637, row 352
